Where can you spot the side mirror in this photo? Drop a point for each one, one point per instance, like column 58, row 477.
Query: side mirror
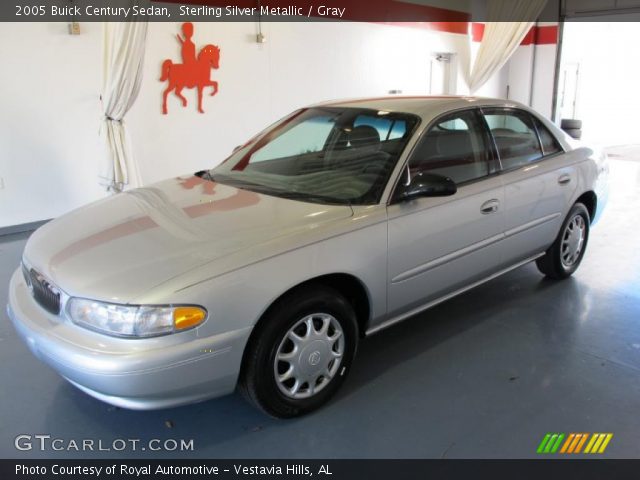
column 426, row 184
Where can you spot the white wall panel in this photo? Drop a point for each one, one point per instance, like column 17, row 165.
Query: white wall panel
column 51, row 81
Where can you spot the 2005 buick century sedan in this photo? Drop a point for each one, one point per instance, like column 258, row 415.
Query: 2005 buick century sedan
column 264, row 272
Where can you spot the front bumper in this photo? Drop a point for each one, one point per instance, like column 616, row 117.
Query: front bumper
column 139, row 374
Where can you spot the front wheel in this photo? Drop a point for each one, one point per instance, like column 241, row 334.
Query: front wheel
column 300, row 352
column 565, row 254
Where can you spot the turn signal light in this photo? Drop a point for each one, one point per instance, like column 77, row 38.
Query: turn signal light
column 188, row 317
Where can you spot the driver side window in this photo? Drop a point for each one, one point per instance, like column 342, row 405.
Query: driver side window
column 455, row 147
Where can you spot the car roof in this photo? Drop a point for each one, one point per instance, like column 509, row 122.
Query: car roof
column 424, row 106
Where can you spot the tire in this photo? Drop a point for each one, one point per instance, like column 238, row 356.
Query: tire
column 316, row 353
column 570, row 123
column 562, row 259
column 574, row 133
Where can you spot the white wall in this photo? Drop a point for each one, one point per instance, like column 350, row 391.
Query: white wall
column 539, row 61
column 519, row 76
column 544, row 78
column 531, row 75
column 49, row 119
column 50, row 89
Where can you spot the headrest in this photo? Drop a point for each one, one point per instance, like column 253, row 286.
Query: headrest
column 364, row 136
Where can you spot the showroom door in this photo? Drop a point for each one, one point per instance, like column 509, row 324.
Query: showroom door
column 538, row 183
column 440, row 244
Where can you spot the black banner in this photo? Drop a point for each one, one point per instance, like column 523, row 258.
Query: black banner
column 252, row 10
column 385, row 11
column 542, row 469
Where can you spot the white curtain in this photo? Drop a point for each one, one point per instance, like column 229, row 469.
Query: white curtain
column 123, row 54
column 502, row 35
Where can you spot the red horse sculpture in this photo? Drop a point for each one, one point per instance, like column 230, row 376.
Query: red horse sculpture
column 191, row 75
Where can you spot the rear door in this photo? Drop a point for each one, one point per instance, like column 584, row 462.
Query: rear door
column 538, row 182
column 441, row 244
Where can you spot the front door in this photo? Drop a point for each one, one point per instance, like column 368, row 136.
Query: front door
column 441, row 244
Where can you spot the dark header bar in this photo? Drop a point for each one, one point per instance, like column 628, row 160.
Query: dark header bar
column 436, row 14
column 251, row 10
column 420, row 12
column 323, row 469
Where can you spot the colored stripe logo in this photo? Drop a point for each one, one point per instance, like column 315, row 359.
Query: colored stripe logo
column 574, row 443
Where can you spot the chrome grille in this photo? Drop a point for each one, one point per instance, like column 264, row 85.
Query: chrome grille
column 45, row 294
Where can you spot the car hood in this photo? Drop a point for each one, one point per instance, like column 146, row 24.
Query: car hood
column 120, row 247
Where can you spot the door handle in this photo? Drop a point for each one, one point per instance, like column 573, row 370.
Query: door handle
column 490, row 206
column 564, row 179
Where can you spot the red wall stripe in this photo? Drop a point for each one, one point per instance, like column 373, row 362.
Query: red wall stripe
column 477, row 31
column 447, row 27
column 547, row 35
column 394, row 12
column 538, row 35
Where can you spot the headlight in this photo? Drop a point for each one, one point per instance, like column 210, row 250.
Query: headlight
column 133, row 320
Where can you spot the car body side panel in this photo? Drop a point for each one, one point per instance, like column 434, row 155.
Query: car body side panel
column 362, row 254
column 536, row 204
column 600, row 185
column 437, row 245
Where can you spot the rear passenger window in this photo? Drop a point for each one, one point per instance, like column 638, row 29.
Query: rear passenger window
column 549, row 143
column 515, row 137
column 454, row 148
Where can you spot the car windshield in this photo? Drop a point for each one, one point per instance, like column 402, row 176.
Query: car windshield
column 324, row 155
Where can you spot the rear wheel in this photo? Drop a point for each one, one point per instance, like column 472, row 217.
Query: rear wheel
column 300, row 353
column 564, row 256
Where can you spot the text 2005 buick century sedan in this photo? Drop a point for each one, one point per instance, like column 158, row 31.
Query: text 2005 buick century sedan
column 263, row 273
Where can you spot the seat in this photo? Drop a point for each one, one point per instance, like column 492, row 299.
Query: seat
column 359, row 166
column 450, row 154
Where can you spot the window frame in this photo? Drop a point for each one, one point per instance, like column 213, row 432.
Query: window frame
column 493, row 108
column 495, row 167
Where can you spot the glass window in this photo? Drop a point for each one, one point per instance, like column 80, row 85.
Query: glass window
column 398, row 129
column 549, row 143
column 454, row 148
column 306, row 137
column 388, row 128
column 515, row 137
column 330, row 155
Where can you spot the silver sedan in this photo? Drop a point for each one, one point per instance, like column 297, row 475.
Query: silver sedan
column 265, row 272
